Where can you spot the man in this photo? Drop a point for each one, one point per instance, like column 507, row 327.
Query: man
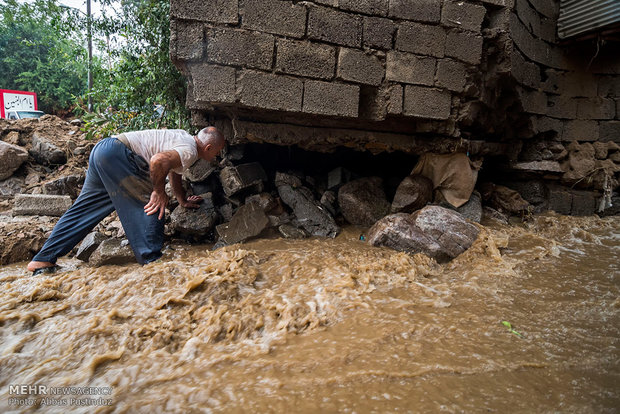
column 119, row 178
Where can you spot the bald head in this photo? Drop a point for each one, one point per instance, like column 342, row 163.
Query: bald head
column 210, row 143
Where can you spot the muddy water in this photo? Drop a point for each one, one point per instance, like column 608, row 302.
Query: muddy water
column 329, row 326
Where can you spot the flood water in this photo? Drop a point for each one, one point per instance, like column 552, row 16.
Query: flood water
column 319, row 325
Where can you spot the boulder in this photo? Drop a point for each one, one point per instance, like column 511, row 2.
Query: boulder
column 438, row 232
column 291, row 232
column 328, row 200
column 337, row 178
column 413, row 193
column 69, row 185
column 199, row 171
column 46, row 153
column 249, row 176
column 249, row 221
column 41, row 205
column 472, row 210
column 112, row 252
column 89, row 245
column 11, row 158
column 264, row 200
column 287, row 179
column 195, row 221
column 503, row 198
column 11, row 186
column 363, row 201
column 310, row 213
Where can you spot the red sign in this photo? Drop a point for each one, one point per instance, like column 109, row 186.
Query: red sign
column 17, row 101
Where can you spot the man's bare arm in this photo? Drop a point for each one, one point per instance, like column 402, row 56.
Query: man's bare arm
column 160, row 164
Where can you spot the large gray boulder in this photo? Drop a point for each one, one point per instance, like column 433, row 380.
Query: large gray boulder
column 41, row 205
column 199, row 171
column 413, row 193
column 89, row 245
column 363, row 201
column 472, row 210
column 249, row 176
column 312, row 216
column 248, row 221
column 46, row 153
column 438, row 232
column 195, row 221
column 112, row 252
column 69, row 185
column 11, row 158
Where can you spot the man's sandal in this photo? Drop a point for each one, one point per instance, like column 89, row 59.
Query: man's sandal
column 45, row 270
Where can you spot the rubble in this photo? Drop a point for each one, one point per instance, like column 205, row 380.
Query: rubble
column 11, row 158
column 249, row 221
column 41, row 205
column 112, row 252
column 363, row 201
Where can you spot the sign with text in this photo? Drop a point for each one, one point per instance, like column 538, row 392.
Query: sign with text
column 16, row 101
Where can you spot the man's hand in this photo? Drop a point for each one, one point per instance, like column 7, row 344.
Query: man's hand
column 191, row 202
column 157, row 203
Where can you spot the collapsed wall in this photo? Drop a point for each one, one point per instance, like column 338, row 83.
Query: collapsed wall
column 488, row 77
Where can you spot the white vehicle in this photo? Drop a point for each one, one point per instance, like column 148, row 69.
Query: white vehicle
column 24, row 114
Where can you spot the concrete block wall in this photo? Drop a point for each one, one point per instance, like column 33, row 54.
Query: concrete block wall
column 349, row 59
column 490, row 70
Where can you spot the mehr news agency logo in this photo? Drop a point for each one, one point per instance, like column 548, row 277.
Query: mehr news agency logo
column 41, row 395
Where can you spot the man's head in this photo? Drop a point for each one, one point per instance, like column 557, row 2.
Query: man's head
column 210, row 142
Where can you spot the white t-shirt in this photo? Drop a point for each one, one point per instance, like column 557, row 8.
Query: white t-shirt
column 152, row 141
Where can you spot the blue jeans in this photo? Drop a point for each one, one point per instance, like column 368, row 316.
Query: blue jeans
column 117, row 179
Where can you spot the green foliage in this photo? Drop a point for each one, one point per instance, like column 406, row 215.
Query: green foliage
column 40, row 51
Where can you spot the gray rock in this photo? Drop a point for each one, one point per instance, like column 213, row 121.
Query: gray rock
column 112, row 252
column 503, row 198
column 287, row 179
column 41, row 205
column 472, row 210
column 234, row 152
column 337, row 177
column 534, row 192
column 249, row 221
column 328, row 200
column 46, row 153
column 438, row 232
column 69, row 185
column 243, row 177
column 291, row 232
column 311, row 214
column 76, row 122
column 363, row 201
column 89, row 245
column 413, row 193
column 264, row 200
column 199, row 171
column 276, row 221
column 11, row 158
column 195, row 221
column 11, row 186
column 226, row 211
column 489, row 213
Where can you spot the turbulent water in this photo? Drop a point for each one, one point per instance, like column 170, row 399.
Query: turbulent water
column 527, row 320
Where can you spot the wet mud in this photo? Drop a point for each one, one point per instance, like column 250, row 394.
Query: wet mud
column 336, row 325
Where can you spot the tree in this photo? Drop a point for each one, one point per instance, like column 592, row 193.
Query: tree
column 42, row 51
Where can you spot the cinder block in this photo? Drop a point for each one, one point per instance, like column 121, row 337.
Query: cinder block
column 580, row 130
column 552, row 82
column 560, row 200
column 335, row 27
column 305, row 58
column 610, row 131
column 533, row 101
column 240, row 48
column 187, row 40
column 395, row 101
column 213, row 11
column 427, row 102
column 378, row 32
column 409, row 68
column 463, row 15
column 212, row 83
column 464, row 46
column 596, row 108
column 547, row 124
column 561, row 107
column 41, row 205
column 275, row 16
column 357, row 66
column 526, row 73
column 375, row 7
column 451, row 75
column 328, row 98
column 584, row 203
column 417, row 10
column 422, row 39
column 263, row 90
column 609, row 87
